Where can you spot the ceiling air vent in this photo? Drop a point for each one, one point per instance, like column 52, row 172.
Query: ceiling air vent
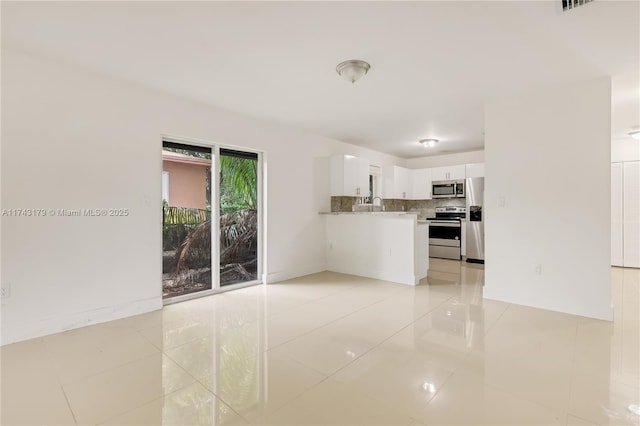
column 570, row 4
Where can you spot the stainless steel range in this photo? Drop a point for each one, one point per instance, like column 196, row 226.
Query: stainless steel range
column 445, row 232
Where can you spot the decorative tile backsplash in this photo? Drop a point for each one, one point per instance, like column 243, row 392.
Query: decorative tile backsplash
column 425, row 208
column 345, row 204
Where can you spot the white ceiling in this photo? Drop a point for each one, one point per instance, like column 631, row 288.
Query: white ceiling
column 433, row 64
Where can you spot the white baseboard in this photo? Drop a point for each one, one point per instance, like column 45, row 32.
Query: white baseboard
column 394, row 277
column 491, row 294
column 279, row 276
column 12, row 334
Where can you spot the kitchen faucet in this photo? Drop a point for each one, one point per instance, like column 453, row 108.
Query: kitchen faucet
column 373, row 201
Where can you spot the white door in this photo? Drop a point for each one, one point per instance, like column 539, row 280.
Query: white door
column 617, row 217
column 631, row 203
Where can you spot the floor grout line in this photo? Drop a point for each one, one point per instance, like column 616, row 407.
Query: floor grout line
column 68, row 404
column 486, row 332
column 394, row 312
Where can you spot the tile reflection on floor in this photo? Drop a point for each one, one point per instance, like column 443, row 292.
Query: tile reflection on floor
column 337, row 349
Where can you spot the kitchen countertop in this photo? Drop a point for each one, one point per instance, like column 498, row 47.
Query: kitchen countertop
column 373, row 213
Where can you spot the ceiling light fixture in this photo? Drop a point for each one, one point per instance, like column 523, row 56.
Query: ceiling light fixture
column 635, row 134
column 429, row 143
column 352, row 70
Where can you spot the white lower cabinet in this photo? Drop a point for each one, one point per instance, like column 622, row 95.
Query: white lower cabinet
column 422, row 251
column 389, row 247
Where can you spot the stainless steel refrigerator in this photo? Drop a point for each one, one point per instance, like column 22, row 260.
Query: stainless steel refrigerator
column 475, row 219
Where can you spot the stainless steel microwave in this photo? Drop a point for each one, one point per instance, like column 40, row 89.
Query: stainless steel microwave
column 447, row 189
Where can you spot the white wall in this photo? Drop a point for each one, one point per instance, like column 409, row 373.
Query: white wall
column 548, row 154
column 446, row 160
column 75, row 139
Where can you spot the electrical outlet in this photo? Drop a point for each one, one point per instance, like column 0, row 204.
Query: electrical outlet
column 330, row 246
column 5, row 290
column 537, row 268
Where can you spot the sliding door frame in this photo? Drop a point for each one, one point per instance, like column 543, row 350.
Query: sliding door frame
column 215, row 218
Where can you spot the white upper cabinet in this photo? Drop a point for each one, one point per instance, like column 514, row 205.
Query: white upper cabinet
column 396, row 182
column 349, row 176
column 474, row 170
column 421, row 189
column 448, row 172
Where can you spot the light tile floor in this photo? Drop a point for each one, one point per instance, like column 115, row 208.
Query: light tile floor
column 336, row 349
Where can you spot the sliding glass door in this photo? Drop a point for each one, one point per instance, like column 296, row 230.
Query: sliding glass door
column 186, row 219
column 211, row 219
column 238, row 197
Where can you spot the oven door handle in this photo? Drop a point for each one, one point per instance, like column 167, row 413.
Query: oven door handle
column 445, row 224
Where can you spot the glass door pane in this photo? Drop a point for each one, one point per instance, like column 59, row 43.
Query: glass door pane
column 186, row 224
column 238, row 197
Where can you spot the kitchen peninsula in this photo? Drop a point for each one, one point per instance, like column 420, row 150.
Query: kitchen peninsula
column 391, row 246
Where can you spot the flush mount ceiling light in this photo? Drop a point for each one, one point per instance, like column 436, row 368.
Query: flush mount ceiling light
column 352, row 70
column 635, row 134
column 428, row 143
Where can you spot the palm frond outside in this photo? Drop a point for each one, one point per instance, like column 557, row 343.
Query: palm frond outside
column 238, row 183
